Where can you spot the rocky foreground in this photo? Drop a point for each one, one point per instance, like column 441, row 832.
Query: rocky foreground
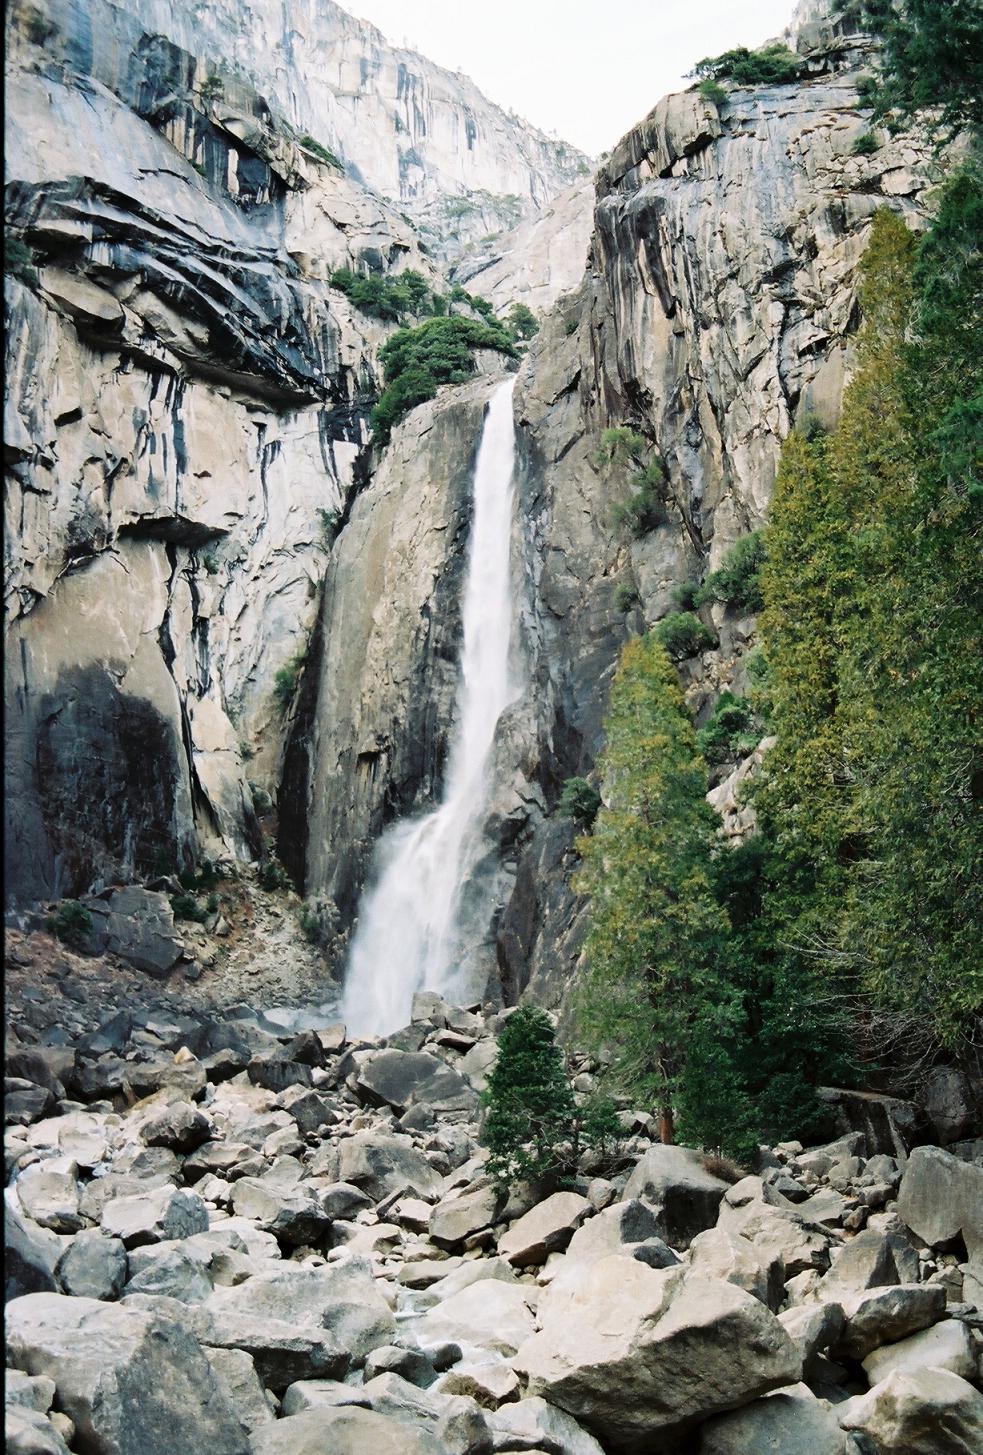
column 229, row 1241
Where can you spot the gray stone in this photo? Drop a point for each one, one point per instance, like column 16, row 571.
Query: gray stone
column 455, row 1218
column 93, row 1266
column 883, row 1315
column 180, row 1126
column 546, row 1228
column 175, row 1273
column 813, row 1328
column 651, row 1355
column 487, row 1313
column 920, row 1412
column 402, row 1079
column 946, row 1345
column 155, row 1215
column 236, row 1375
column 132, row 1384
column 140, row 928
column 789, row 1422
column 490, row 1382
column 49, row 1194
column 343, row 1431
column 413, row 1365
column 295, row 1215
column 550, row 1428
column 312, row 1394
column 30, row 1255
column 382, row 1165
column 674, row 1180
column 718, row 1253
column 28, row 1433
column 948, row 1104
column 33, row 1392
column 340, row 1301
column 941, row 1197
column 870, row 1260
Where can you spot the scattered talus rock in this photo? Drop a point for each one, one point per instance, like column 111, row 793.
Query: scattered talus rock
column 546, row 1228
column 343, row 1431
column 132, row 1384
column 654, row 1354
column 789, row 1422
column 401, row 1079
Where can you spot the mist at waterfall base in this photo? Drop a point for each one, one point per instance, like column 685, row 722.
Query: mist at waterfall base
column 417, row 916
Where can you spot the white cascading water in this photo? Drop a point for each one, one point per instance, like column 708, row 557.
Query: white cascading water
column 409, row 934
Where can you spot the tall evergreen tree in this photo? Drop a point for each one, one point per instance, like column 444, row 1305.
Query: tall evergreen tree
column 656, row 928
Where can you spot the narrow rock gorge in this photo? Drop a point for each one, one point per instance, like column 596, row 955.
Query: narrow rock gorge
column 265, row 272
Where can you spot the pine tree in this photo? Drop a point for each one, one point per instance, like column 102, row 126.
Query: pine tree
column 530, row 1105
column 656, row 929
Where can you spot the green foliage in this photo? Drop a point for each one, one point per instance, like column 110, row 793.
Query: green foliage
column 522, row 321
column 71, row 923
column 322, row 153
column 625, row 596
column 730, row 730
column 200, row 168
column 712, row 90
column 318, row 921
column 931, row 56
column 530, row 1106
column 579, row 801
column 684, row 635
column 205, row 876
column 390, row 298
column 211, row 562
column 627, row 451
column 189, row 907
column 873, row 631
column 737, row 583
column 287, row 680
column 39, row 28
column 273, row 876
column 417, row 360
column 773, row 65
column 330, row 524
column 212, row 89
column 18, row 259
column 683, row 596
column 571, row 326
column 865, row 144
column 655, row 929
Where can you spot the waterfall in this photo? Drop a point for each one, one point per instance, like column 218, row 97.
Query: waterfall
column 411, row 933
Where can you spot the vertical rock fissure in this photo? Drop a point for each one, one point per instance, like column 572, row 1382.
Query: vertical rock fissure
column 423, row 909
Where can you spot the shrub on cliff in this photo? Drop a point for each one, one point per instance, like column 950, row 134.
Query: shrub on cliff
column 416, row 361
column 737, row 582
column 773, row 65
column 71, row 923
column 684, row 635
column 580, row 802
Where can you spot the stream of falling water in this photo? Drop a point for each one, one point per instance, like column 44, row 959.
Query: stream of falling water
column 410, row 933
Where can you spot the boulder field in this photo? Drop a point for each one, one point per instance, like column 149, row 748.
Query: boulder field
column 227, row 1240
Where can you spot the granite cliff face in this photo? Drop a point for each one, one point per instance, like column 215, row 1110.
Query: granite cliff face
column 194, row 510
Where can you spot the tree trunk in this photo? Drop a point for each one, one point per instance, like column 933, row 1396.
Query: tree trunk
column 667, row 1125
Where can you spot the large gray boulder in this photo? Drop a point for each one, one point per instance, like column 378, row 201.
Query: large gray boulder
column 534, row 1421
column 789, row 1422
column 456, row 1218
column 402, row 1079
column 488, row 1312
column 341, row 1303
column 93, row 1266
column 883, row 1315
column 651, row 1355
column 343, row 1430
column 946, row 1345
column 30, row 1255
column 294, row 1215
column 546, row 1228
column 382, row 1164
column 155, row 1215
column 132, row 1383
column 871, row 1260
column 49, row 1194
column 923, row 1412
column 26, row 1432
column 676, row 1183
column 941, row 1197
column 718, row 1253
column 138, row 925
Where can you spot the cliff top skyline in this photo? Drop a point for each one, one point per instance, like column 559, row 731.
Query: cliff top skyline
column 543, row 60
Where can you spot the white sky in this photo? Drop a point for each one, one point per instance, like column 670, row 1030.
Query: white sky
column 583, row 69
